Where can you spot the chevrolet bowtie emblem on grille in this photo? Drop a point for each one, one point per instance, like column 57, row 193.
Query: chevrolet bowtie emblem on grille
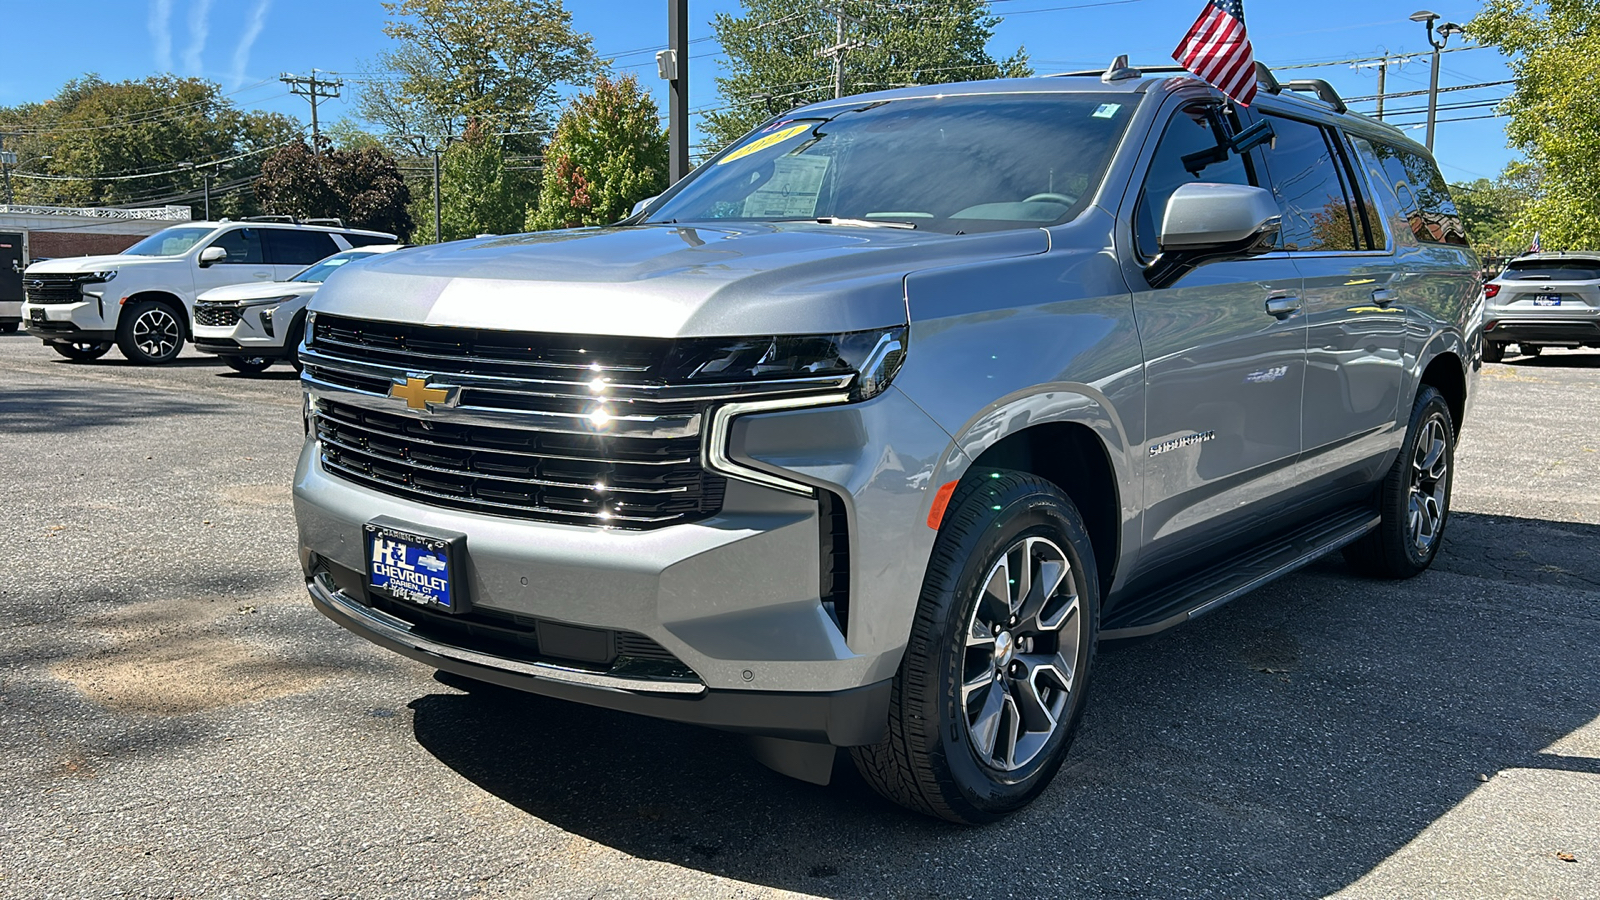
column 419, row 394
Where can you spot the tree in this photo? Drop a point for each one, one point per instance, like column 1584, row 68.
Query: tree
column 459, row 61
column 102, row 143
column 1489, row 209
column 362, row 186
column 608, row 153
column 772, row 66
column 1554, row 51
column 479, row 194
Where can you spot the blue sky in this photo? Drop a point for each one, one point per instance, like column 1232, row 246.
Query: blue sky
column 245, row 44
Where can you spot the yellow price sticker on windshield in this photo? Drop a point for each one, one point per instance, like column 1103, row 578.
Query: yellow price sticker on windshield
column 762, row 143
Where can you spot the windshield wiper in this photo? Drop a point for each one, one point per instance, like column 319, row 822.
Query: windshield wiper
column 855, row 223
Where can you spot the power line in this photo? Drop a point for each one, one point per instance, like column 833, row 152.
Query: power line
column 1459, row 87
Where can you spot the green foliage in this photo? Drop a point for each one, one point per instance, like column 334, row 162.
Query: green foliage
column 1490, row 208
column 772, row 64
column 479, row 194
column 608, row 153
column 500, row 62
column 96, row 132
column 361, row 186
column 1554, row 51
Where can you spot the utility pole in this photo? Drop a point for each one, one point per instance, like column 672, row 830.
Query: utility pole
column 840, row 45
column 1383, row 69
column 205, row 181
column 1445, row 30
column 7, row 160
column 314, row 89
column 436, row 222
column 673, row 66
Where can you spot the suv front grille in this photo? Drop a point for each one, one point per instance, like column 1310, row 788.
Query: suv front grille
column 53, row 288
column 216, row 314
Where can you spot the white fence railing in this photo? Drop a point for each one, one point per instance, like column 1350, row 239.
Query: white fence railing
column 159, row 213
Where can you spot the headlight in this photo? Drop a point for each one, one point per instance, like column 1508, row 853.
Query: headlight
column 97, row 277
column 263, row 301
column 873, row 357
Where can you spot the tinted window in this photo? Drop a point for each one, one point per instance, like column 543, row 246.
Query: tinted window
column 298, row 248
column 243, row 245
column 1424, row 197
column 367, row 240
column 319, row 273
column 1182, row 158
column 955, row 164
column 1317, row 214
column 1553, row 270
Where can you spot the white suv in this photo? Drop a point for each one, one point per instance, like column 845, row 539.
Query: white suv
column 143, row 298
column 253, row 325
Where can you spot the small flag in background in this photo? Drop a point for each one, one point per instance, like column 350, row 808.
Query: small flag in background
column 1217, row 50
column 1536, row 247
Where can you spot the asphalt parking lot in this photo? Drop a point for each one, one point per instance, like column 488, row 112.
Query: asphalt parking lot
column 176, row 720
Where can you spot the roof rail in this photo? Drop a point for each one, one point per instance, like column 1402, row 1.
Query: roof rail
column 1166, row 69
column 1266, row 80
column 1324, row 91
column 330, row 221
column 289, row 219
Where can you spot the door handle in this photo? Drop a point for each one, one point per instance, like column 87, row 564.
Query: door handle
column 1383, row 296
column 1283, row 307
column 261, row 274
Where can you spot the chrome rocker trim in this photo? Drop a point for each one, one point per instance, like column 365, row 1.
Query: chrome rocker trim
column 335, row 604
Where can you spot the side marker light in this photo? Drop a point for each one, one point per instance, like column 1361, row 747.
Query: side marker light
column 941, row 499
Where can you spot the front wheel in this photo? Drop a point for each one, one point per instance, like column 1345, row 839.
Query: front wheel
column 992, row 685
column 248, row 365
column 1414, row 498
column 83, row 351
column 9, row 327
column 150, row 333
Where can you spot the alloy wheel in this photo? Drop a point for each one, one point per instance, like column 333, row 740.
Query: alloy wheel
column 1430, row 482
column 1021, row 653
column 156, row 332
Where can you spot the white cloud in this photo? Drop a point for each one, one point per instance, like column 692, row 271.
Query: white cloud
column 161, row 33
column 252, row 30
column 199, row 30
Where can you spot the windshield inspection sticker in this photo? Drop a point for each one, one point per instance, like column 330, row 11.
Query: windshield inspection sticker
column 1106, row 110
column 762, row 143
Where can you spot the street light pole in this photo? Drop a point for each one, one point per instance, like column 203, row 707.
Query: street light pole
column 1445, row 30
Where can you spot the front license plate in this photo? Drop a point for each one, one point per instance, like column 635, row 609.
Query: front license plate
column 418, row 565
column 36, row 314
column 1546, row 299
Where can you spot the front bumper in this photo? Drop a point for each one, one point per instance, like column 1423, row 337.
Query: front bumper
column 260, row 331
column 83, row 321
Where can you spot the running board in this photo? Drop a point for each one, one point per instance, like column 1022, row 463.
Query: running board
column 1201, row 592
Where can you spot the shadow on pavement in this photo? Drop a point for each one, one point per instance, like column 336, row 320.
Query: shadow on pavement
column 1282, row 747
column 67, row 409
column 1576, row 360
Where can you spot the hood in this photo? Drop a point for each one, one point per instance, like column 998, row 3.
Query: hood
column 697, row 280
column 256, row 290
column 75, row 264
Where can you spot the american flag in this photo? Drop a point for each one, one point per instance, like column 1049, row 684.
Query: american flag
column 1217, row 50
column 1536, row 246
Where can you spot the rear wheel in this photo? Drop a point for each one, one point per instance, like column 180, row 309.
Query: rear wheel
column 1414, row 498
column 249, row 365
column 1493, row 352
column 1530, row 349
column 992, row 685
column 83, row 351
column 150, row 333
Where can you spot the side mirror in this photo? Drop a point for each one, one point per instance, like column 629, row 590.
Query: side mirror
column 639, row 207
column 212, row 255
column 1212, row 222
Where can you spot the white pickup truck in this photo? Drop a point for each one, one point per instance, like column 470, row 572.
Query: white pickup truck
column 143, row 298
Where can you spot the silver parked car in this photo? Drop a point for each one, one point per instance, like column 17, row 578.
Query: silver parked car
column 867, row 432
column 1543, row 300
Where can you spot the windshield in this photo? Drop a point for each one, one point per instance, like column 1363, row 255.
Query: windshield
column 1553, row 270
column 174, row 241
column 316, row 273
column 952, row 164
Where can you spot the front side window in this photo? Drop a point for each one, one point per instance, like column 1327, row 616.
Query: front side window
column 1306, row 170
column 243, row 246
column 174, row 241
column 1188, row 154
column 955, row 164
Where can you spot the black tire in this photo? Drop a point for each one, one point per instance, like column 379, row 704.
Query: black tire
column 83, row 351
column 1530, row 349
column 932, row 759
column 1396, row 548
column 297, row 333
column 248, row 365
column 1493, row 352
column 150, row 332
column 9, row 327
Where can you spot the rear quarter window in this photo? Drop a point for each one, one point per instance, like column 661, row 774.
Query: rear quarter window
column 1421, row 191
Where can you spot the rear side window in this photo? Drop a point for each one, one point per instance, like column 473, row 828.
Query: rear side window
column 367, row 240
column 243, row 246
column 1309, row 180
column 1420, row 189
column 299, row 248
column 1182, row 158
column 1553, row 270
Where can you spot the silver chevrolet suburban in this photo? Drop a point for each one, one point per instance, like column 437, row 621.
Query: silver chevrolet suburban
column 864, row 434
